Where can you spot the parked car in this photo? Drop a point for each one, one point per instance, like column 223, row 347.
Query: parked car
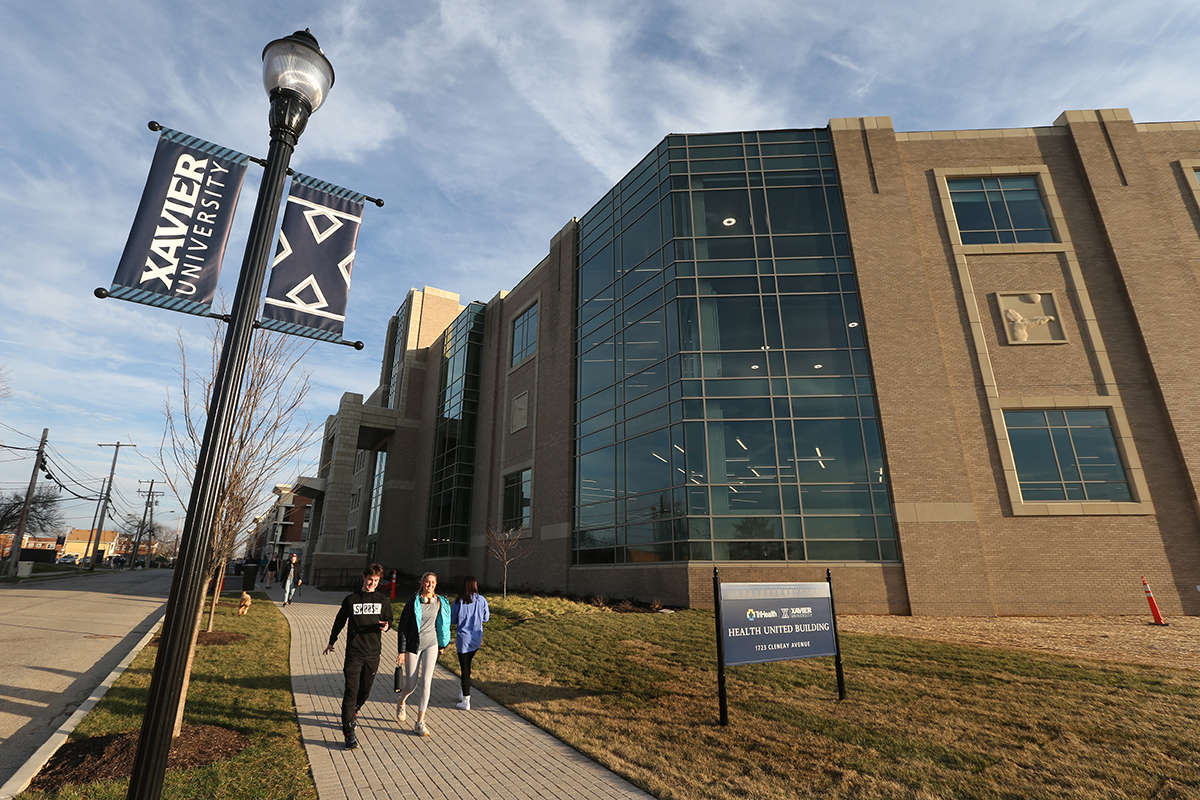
column 69, row 558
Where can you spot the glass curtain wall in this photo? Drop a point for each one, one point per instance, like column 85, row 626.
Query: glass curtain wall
column 725, row 409
column 398, row 342
column 453, row 479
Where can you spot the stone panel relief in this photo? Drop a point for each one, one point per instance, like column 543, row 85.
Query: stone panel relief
column 1030, row 317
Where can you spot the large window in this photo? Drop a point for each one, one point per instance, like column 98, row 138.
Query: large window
column 725, row 409
column 524, row 335
column 999, row 210
column 377, row 492
column 518, row 499
column 1066, row 455
column 453, row 476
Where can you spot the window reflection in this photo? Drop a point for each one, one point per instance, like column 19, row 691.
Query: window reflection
column 717, row 396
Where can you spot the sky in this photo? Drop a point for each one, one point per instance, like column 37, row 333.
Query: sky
column 485, row 125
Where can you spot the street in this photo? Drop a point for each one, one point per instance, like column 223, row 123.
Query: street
column 58, row 640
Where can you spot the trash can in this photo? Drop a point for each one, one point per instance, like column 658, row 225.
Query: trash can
column 249, row 573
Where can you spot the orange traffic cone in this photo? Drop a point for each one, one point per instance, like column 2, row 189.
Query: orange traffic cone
column 1158, row 620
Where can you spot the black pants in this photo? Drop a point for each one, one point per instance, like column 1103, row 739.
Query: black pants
column 360, row 674
column 464, row 664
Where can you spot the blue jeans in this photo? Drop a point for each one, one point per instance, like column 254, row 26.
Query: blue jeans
column 289, row 588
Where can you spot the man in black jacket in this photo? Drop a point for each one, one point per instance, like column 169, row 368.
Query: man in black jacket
column 366, row 614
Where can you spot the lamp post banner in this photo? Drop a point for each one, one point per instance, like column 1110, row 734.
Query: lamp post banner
column 310, row 277
column 173, row 256
column 776, row 622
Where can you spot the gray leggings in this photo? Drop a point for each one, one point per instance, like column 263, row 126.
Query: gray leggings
column 425, row 660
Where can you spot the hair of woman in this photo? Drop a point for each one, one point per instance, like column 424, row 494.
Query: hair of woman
column 469, row 590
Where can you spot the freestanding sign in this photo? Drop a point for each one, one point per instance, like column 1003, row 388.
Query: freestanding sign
column 760, row 622
column 776, row 622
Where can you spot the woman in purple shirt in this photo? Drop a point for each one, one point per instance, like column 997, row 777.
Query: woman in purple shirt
column 469, row 612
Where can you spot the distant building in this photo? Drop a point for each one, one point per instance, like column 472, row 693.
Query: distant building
column 283, row 529
column 956, row 368
column 76, row 543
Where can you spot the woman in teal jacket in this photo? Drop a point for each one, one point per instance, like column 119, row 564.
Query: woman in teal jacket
column 424, row 631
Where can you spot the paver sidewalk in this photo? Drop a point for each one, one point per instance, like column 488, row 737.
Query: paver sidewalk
column 487, row 752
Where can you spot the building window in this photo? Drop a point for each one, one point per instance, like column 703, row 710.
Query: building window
column 999, row 210
column 524, row 335
column 377, row 493
column 518, row 500
column 1066, row 456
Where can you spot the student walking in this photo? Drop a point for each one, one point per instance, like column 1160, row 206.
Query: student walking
column 469, row 612
column 365, row 614
column 289, row 576
column 423, row 632
column 272, row 568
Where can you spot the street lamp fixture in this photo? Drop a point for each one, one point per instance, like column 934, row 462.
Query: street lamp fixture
column 297, row 77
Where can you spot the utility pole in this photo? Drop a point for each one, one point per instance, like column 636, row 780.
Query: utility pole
column 15, row 555
column 92, row 534
column 107, row 496
column 137, row 544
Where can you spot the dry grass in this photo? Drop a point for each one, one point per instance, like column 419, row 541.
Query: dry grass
column 924, row 719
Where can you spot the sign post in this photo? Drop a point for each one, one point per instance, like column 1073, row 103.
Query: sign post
column 761, row 622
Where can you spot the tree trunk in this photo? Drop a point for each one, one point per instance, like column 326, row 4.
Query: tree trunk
column 187, row 673
column 212, row 610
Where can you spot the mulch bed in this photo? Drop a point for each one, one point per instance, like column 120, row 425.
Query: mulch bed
column 210, row 637
column 110, row 757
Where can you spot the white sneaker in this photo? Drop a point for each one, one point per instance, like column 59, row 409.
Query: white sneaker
column 401, row 712
column 420, row 729
column 464, row 704
column 460, row 694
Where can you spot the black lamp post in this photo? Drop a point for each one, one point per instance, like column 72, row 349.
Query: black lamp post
column 297, row 76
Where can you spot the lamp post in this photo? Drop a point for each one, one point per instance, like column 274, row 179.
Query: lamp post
column 297, row 77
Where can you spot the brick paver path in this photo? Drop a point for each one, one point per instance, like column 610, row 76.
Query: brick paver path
column 487, row 752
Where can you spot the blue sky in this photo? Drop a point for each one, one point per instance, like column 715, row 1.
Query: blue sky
column 485, row 125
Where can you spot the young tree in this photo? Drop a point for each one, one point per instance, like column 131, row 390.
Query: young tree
column 270, row 433
column 506, row 546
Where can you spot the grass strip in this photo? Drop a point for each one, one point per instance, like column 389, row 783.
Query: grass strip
column 638, row 694
column 243, row 686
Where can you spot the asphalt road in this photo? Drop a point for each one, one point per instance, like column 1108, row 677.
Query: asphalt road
column 58, row 640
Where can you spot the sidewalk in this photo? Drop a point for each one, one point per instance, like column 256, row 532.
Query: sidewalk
column 487, row 752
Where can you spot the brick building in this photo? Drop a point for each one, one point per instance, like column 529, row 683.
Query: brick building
column 957, row 368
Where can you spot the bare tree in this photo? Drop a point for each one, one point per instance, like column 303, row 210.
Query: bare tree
column 44, row 514
column 506, row 546
column 270, row 432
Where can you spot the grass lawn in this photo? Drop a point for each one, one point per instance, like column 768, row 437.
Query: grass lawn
column 244, row 686
column 638, row 693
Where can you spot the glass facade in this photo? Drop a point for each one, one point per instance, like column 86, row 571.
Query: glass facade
column 376, row 493
column 453, row 479
column 724, row 403
column 392, row 401
column 1066, row 455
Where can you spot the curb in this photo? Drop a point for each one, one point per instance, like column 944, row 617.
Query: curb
column 23, row 776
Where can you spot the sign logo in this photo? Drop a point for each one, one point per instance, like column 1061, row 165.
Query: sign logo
column 753, row 615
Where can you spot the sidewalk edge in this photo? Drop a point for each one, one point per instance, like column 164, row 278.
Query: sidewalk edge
column 25, row 775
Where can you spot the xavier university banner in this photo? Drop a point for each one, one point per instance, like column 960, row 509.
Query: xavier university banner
column 173, row 256
column 310, row 277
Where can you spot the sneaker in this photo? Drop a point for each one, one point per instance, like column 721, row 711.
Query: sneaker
column 352, row 741
column 401, row 712
column 460, row 694
column 420, row 729
column 465, row 704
